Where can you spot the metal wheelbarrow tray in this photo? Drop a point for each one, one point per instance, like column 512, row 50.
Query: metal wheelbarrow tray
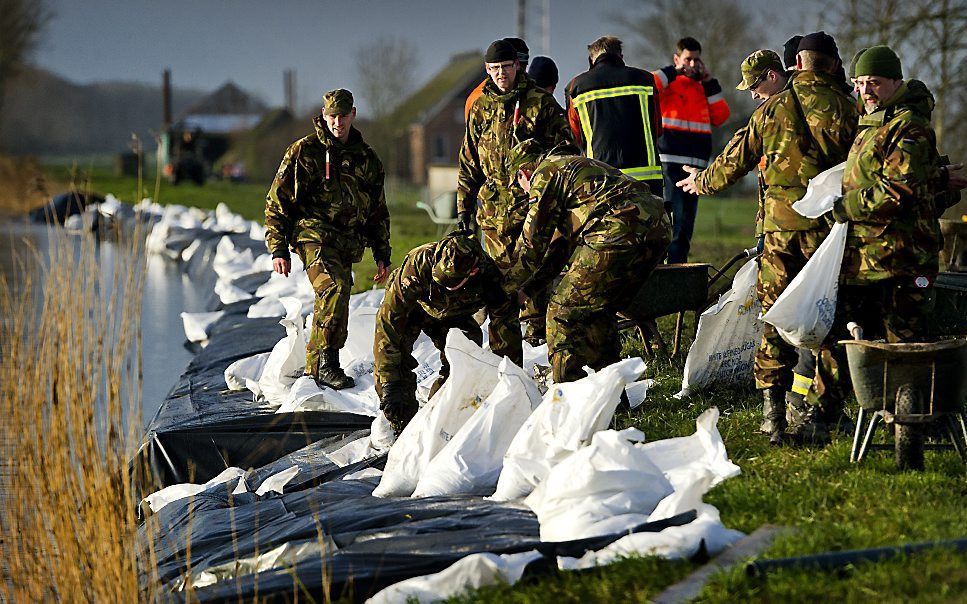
column 909, row 386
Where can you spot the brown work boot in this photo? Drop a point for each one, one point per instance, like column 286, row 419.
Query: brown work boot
column 806, row 425
column 330, row 374
column 773, row 414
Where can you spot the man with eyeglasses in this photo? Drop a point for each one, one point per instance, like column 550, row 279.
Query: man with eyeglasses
column 511, row 109
column 801, row 130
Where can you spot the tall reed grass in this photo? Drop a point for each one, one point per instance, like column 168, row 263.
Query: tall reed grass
column 70, row 384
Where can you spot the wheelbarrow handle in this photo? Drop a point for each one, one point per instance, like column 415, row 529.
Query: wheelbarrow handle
column 752, row 252
column 855, row 330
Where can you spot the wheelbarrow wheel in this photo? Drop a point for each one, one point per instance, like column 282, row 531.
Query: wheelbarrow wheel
column 908, row 437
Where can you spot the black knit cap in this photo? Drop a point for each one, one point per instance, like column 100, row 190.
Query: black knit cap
column 523, row 52
column 500, row 51
column 821, row 42
column 789, row 51
column 544, row 71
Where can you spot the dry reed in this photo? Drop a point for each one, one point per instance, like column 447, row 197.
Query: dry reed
column 70, row 384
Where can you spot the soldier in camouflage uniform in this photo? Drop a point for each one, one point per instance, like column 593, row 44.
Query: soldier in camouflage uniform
column 615, row 233
column 327, row 203
column 801, row 131
column 895, row 187
column 511, row 109
column 438, row 286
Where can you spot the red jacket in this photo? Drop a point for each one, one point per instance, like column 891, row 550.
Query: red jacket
column 689, row 110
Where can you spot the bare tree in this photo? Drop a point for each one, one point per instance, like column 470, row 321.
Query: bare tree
column 387, row 68
column 21, row 24
column 387, row 75
column 931, row 38
column 726, row 29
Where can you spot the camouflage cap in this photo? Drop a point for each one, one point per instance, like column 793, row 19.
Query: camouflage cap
column 755, row 66
column 456, row 256
column 337, row 102
column 527, row 151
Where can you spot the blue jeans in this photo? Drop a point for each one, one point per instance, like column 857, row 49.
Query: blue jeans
column 682, row 207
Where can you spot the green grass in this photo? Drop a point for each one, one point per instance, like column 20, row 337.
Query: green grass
column 830, row 503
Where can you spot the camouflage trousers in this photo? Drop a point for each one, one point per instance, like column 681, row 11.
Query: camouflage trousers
column 784, row 254
column 894, row 310
column 500, row 247
column 332, row 281
column 581, row 324
column 393, row 351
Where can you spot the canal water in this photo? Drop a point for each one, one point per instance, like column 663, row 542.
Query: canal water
column 167, row 293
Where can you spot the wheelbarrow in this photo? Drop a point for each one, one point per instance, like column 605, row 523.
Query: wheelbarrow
column 912, row 387
column 675, row 288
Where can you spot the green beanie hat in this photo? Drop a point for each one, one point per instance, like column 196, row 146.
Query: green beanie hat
column 877, row 61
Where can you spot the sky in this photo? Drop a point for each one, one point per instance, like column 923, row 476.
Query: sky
column 207, row 42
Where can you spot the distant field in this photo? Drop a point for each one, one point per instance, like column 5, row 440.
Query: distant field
column 833, row 505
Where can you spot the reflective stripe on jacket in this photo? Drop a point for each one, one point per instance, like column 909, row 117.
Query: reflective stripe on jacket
column 689, row 111
column 613, row 113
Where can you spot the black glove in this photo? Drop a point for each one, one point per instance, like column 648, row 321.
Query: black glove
column 466, row 221
column 760, row 243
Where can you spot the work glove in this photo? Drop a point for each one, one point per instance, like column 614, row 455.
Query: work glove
column 760, row 244
column 392, row 405
column 465, row 221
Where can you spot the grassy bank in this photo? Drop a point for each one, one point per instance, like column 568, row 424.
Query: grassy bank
column 831, row 504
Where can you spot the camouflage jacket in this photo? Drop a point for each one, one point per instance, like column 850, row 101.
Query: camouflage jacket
column 588, row 203
column 411, row 286
column 341, row 206
column 491, row 133
column 795, row 150
column 894, row 191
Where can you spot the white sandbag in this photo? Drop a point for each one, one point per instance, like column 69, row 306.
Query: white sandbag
column 287, row 554
column 564, row 422
column 196, row 324
column 245, row 373
column 305, row 395
column 159, row 499
column 363, row 474
column 637, row 392
column 473, row 376
column 276, row 482
column 693, row 465
column 471, row 572
column 471, row 462
column 728, row 335
column 673, row 543
column 287, row 360
column 804, row 311
column 361, row 330
column 822, row 192
column 229, row 293
column 371, row 298
column 381, row 437
column 223, row 219
column 601, row 489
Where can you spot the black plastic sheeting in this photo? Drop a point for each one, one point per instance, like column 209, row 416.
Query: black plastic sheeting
column 202, row 428
column 377, row 542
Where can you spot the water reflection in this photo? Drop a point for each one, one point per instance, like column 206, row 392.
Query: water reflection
column 167, row 292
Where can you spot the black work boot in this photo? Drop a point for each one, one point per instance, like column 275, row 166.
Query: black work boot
column 774, row 414
column 806, row 425
column 330, row 374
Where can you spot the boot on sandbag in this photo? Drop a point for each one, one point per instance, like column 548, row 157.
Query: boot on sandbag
column 330, row 374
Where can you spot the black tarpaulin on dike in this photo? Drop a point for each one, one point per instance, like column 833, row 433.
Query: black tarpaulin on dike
column 202, row 428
